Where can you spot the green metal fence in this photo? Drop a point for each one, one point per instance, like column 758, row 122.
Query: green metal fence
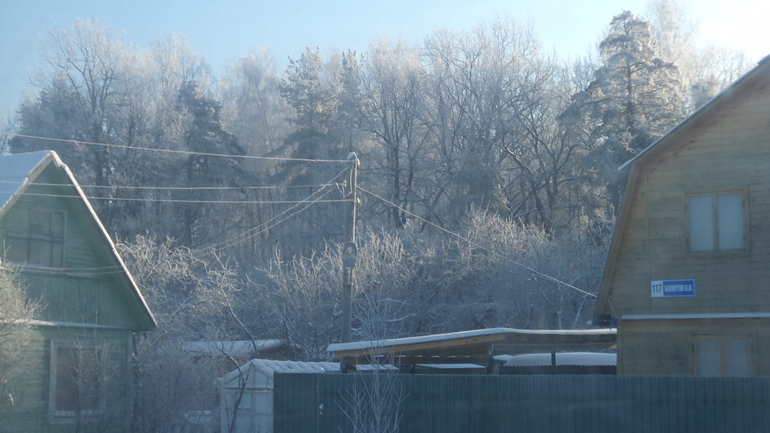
column 326, row 403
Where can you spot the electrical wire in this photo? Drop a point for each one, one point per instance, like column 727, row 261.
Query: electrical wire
column 179, row 152
column 459, row 236
column 172, row 188
column 251, row 233
column 164, row 200
column 267, row 225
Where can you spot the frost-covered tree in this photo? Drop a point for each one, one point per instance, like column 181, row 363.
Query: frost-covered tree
column 636, row 96
column 394, row 108
column 253, row 109
column 192, row 297
column 704, row 71
column 16, row 314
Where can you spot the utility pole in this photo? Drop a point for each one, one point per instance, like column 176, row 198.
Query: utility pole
column 349, row 253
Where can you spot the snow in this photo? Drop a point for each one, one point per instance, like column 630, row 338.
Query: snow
column 268, row 368
column 361, row 345
column 232, row 348
column 14, row 171
column 565, row 358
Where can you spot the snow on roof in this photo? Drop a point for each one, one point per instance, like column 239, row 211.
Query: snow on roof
column 269, row 367
column 232, row 348
column 360, row 345
column 563, row 358
column 14, row 171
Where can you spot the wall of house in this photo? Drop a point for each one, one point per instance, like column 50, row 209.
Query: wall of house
column 668, row 347
column 30, row 384
column 727, row 150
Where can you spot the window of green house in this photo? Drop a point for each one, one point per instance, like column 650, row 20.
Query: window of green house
column 35, row 237
column 77, row 379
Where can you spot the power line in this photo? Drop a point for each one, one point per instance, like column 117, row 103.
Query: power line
column 267, row 225
column 251, row 233
column 459, row 236
column 163, row 200
column 173, row 188
column 180, row 152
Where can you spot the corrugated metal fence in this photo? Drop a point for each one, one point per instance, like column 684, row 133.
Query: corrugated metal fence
column 324, row 403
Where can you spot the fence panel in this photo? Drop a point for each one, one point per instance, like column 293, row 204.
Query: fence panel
column 328, row 403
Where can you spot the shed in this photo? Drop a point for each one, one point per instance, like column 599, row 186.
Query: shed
column 470, row 347
column 246, row 393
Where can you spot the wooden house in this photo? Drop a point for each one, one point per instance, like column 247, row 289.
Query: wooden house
column 687, row 275
column 77, row 367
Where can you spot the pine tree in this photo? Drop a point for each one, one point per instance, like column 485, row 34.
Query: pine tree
column 636, row 97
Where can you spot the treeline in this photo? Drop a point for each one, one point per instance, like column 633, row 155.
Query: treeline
column 468, row 135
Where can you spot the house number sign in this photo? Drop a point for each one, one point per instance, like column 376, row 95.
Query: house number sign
column 672, row 288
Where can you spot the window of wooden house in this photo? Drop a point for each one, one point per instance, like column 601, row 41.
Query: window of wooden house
column 723, row 356
column 77, row 379
column 35, row 237
column 716, row 223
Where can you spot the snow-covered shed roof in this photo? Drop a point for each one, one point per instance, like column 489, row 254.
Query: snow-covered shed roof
column 259, row 372
column 238, row 348
column 474, row 347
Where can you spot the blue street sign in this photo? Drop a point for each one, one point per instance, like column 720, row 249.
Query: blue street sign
column 672, row 288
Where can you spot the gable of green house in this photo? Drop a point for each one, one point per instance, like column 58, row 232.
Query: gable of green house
column 51, row 234
column 77, row 370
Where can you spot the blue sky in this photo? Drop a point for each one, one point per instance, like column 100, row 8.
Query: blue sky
column 224, row 30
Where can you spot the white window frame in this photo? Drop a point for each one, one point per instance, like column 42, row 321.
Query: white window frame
column 713, row 223
column 723, row 345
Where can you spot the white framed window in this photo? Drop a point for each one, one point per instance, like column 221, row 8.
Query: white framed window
column 35, row 237
column 722, row 356
column 77, row 379
column 717, row 223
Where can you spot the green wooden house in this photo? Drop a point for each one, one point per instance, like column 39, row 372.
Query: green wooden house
column 77, row 371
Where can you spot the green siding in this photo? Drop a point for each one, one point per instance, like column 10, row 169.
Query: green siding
column 30, row 387
column 91, row 288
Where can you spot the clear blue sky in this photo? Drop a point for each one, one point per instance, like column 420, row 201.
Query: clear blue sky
column 223, row 30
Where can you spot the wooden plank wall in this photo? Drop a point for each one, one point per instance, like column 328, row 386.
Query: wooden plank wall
column 727, row 151
column 543, row 404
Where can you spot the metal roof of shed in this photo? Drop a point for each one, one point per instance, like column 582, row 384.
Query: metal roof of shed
column 474, row 347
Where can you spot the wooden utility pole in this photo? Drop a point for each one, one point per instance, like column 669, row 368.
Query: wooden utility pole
column 349, row 253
